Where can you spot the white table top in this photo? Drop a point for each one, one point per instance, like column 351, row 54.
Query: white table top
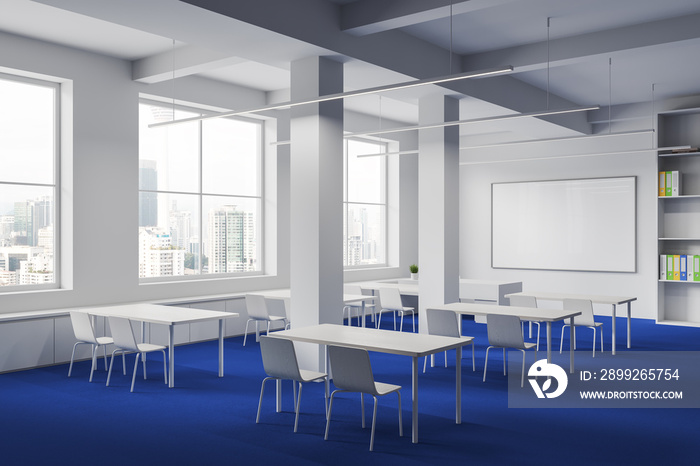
column 598, row 299
column 525, row 313
column 383, row 341
column 287, row 294
column 409, row 290
column 158, row 314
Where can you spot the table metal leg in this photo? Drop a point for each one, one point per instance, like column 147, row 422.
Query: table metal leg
column 614, row 327
column 458, row 398
column 414, row 401
column 629, row 324
column 549, row 342
column 571, row 347
column 221, row 347
column 171, row 356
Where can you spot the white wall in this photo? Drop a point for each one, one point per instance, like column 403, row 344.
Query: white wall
column 475, row 214
column 100, row 182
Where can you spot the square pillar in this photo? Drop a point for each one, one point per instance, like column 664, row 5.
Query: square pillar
column 316, row 200
column 438, row 204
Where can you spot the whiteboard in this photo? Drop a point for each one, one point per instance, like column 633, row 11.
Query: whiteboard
column 584, row 224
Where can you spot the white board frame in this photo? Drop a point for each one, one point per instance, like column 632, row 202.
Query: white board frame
column 586, row 224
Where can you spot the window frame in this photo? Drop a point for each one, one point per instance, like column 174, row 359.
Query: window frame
column 382, row 147
column 200, row 194
column 56, row 185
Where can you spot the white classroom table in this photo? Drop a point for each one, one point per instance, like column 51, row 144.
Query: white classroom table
column 170, row 316
column 614, row 301
column 286, row 296
column 415, row 345
column 524, row 313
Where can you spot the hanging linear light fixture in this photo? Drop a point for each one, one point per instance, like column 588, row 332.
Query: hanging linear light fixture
column 512, row 116
column 345, row 95
column 573, row 156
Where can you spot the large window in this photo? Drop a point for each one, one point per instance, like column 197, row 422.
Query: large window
column 28, row 183
column 200, row 203
column 364, row 204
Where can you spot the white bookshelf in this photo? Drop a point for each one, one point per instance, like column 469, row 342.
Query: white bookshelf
column 679, row 216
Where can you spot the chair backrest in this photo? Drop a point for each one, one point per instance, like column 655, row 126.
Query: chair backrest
column 353, row 289
column 352, row 370
column 390, row 298
column 256, row 306
column 585, row 306
column 122, row 333
column 523, row 301
column 505, row 331
column 443, row 323
column 82, row 327
column 279, row 358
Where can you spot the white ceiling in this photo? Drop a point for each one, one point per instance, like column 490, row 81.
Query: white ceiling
column 649, row 42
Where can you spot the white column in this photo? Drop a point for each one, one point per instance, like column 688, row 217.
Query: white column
column 438, row 204
column 316, row 201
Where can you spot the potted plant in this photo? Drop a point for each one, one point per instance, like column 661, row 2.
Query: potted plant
column 414, row 272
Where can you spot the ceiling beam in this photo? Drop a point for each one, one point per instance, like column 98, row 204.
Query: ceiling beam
column 372, row 16
column 180, row 62
column 568, row 50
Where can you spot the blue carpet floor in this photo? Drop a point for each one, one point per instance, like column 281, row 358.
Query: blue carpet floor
column 47, row 418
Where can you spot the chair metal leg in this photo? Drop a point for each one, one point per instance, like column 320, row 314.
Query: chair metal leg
column 143, row 361
column 374, row 421
column 362, row 408
column 245, row 335
column 109, row 372
column 522, row 371
column 486, row 362
column 594, row 332
column 94, row 362
column 398, row 392
column 70, row 368
column 328, row 418
column 136, row 366
column 601, row 338
column 262, row 390
column 296, row 418
column 561, row 338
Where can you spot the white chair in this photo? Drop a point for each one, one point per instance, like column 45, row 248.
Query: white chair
column 85, row 334
column 527, row 301
column 347, row 309
column 280, row 363
column 586, row 319
column 391, row 301
column 352, row 372
column 446, row 324
column 506, row 332
column 257, row 312
column 125, row 341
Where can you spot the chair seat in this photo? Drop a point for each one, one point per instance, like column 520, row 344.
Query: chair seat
column 272, row 318
column 148, row 347
column 104, row 340
column 529, row 345
column 384, row 388
column 308, row 376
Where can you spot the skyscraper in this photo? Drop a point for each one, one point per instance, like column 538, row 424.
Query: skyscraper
column 232, row 245
column 148, row 202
